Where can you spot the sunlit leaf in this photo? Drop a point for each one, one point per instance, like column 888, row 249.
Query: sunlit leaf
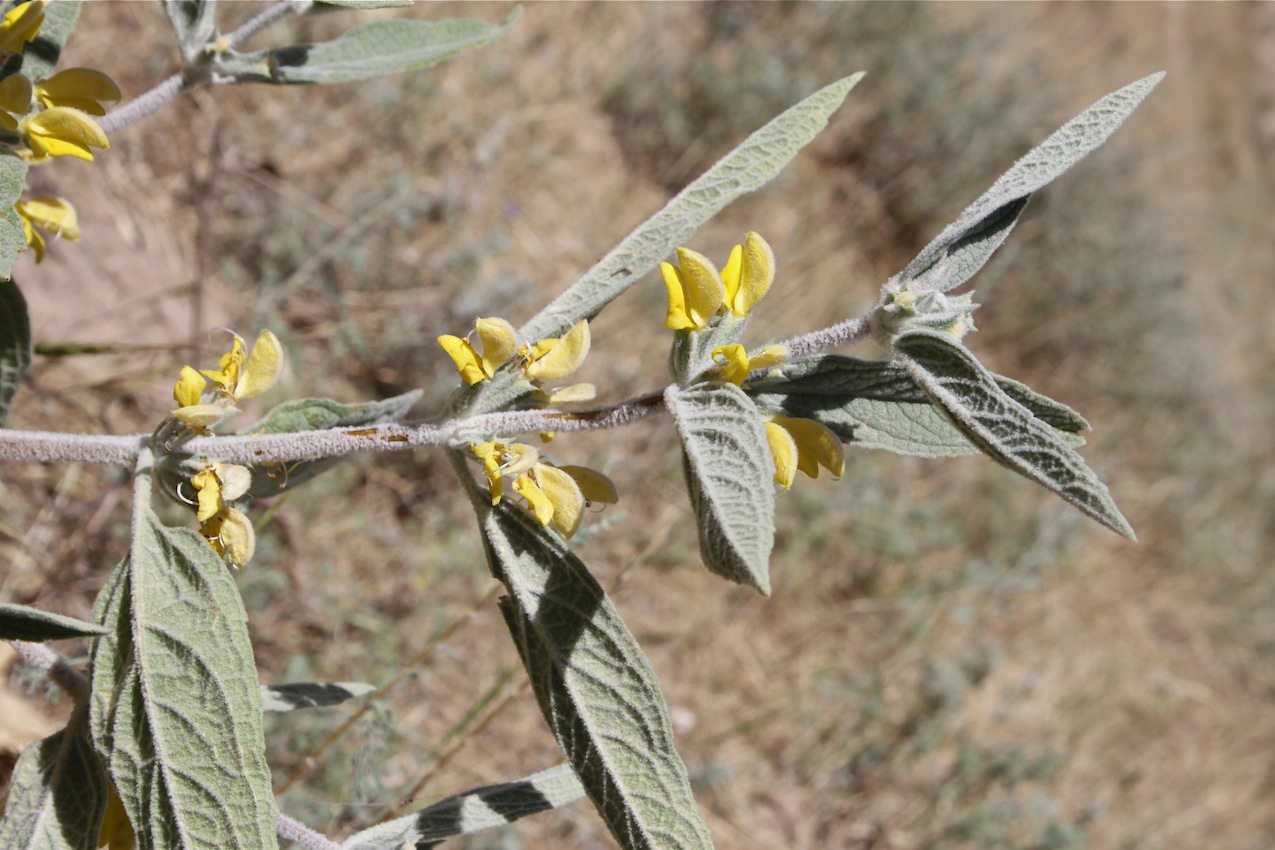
column 365, row 52
column 730, row 475
column 22, row 622
column 473, row 811
column 1002, row 428
column 57, row 794
column 970, row 241
column 40, row 57
column 753, row 164
column 176, row 705
column 13, row 240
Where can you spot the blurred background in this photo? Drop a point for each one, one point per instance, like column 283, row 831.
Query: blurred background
column 951, row 656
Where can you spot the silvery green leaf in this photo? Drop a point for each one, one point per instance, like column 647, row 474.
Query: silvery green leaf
column 175, row 706
column 594, row 685
column 751, row 165
column 13, row 240
column 195, row 22
column 367, row 51
column 15, row 340
column 979, row 230
column 473, row 811
column 290, row 697
column 39, row 57
column 311, row 414
column 875, row 404
column 1003, row 429
column 731, row 478
column 691, row 357
column 58, row 792
column 22, row 622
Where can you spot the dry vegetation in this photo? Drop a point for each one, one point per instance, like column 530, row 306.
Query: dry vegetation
column 950, row 658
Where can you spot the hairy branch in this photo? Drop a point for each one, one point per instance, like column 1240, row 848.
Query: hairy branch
column 55, row 667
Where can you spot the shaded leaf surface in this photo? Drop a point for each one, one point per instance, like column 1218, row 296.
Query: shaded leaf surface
column 730, row 476
column 593, row 683
column 22, row 622
column 58, row 793
column 195, row 23
column 175, row 706
column 15, row 338
column 1002, row 428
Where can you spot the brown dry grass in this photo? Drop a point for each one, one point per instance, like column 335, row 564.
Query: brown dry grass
column 949, row 657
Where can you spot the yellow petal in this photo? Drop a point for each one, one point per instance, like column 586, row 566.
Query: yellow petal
column 560, row 360
column 238, row 541
column 784, row 451
column 562, row 491
column 540, row 504
column 34, row 238
column 116, row 832
column 732, row 363
column 816, row 446
column 730, row 273
column 704, row 288
column 235, row 479
column 264, row 364
column 498, row 341
column 202, row 415
column 8, row 122
column 468, row 363
column 87, row 85
column 594, row 486
column 62, row 131
column 575, row 392
column 677, row 318
column 15, row 95
column 55, row 215
column 190, row 388
column 771, row 355
column 209, row 489
column 757, row 272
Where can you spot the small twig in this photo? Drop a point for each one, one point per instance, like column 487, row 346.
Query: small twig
column 49, row 447
column 291, row 829
column 55, row 667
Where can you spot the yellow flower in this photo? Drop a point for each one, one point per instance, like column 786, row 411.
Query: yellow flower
column 803, row 444
column 498, row 343
column 55, row 216
column 21, row 25
column 696, row 291
column 240, row 376
column 79, row 88
column 547, row 360
column 556, row 357
column 226, row 529
column 62, row 131
column 734, row 364
column 556, row 494
column 15, row 97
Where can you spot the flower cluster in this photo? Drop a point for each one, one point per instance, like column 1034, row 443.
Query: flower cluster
column 239, row 374
column 553, row 494
column 52, row 117
column 697, row 294
column 548, row 359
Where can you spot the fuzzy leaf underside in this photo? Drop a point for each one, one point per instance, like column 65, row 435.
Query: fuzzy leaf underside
column 1002, row 428
column 473, row 811
column 15, row 339
column 594, row 685
column 979, row 230
column 13, row 240
column 57, row 794
column 22, row 622
column 875, row 404
column 755, row 162
column 175, row 705
column 365, row 52
column 730, row 476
